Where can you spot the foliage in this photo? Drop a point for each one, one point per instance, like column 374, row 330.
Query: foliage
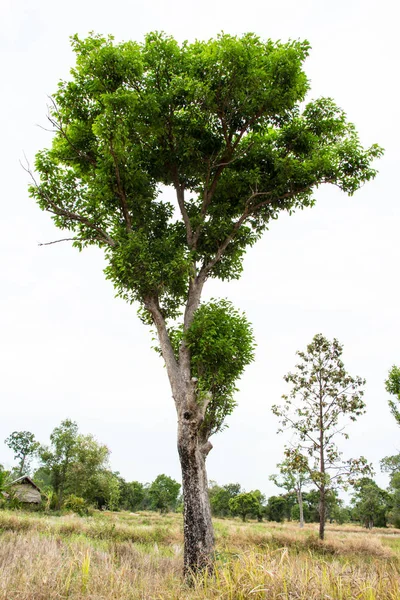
column 220, row 121
column 104, row 489
column 24, row 446
column 390, row 464
column 56, row 460
column 276, row 508
column 371, row 504
column 76, row 504
column 392, row 385
column 4, row 485
column 295, row 513
column 311, row 500
column 137, row 115
column 322, row 393
column 132, row 495
column 220, row 497
column 221, row 343
column 77, row 464
column 163, row 493
column 246, row 503
column 394, row 489
column 340, row 514
column 292, row 476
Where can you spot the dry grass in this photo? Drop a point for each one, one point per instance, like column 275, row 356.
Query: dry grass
column 129, row 557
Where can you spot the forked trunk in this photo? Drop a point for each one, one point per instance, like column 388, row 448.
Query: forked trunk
column 197, row 523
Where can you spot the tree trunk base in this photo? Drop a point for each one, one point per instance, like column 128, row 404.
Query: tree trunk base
column 197, row 524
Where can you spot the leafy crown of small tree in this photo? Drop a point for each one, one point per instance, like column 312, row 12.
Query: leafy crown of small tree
column 392, row 385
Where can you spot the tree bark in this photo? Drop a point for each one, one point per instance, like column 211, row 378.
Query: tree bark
column 192, row 447
column 300, row 501
column 322, row 513
column 197, row 523
column 322, row 490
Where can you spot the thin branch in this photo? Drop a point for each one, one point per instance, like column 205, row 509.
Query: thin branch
column 63, row 212
column 74, row 239
column 248, row 211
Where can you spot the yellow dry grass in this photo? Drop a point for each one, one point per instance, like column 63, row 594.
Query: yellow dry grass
column 131, row 557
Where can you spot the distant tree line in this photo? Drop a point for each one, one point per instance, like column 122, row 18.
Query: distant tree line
column 370, row 506
column 74, row 471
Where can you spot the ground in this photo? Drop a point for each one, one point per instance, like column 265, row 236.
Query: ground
column 125, row 556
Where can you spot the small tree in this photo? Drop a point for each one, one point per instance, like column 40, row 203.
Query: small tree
column 132, row 495
column 294, row 476
column 24, row 446
column 220, row 497
column 246, row 503
column 322, row 394
column 222, row 123
column 371, row 503
column 164, row 492
column 392, row 385
column 276, row 508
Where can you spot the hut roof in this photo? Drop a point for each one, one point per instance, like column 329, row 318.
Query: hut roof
column 25, row 479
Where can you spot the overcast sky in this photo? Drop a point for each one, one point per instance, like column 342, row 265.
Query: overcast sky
column 68, row 348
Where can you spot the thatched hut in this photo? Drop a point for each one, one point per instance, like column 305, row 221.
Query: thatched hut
column 26, row 490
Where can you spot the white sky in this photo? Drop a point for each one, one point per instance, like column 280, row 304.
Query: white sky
column 68, row 348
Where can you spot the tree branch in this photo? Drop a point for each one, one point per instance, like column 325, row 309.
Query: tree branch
column 63, row 212
column 74, row 239
column 152, row 305
column 249, row 210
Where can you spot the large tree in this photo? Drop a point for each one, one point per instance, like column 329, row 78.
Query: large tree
column 321, row 397
column 223, row 124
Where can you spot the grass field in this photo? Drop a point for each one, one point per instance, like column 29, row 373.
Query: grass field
column 121, row 556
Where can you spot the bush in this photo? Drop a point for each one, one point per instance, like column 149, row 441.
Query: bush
column 77, row 505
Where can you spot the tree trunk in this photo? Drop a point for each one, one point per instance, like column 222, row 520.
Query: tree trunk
column 192, row 447
column 300, row 501
column 322, row 513
column 197, row 523
column 322, row 490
